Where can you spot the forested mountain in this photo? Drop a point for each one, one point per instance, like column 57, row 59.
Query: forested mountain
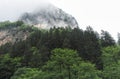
column 62, row 51
column 70, row 53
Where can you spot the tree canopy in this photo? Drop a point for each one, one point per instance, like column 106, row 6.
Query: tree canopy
column 59, row 53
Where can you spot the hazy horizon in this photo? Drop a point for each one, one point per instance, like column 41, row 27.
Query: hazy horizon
column 101, row 15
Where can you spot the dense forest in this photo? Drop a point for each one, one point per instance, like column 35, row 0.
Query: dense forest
column 60, row 53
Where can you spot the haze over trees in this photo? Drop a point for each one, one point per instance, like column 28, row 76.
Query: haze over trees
column 60, row 53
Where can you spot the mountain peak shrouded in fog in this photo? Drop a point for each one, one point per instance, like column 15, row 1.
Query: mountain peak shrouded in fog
column 48, row 16
column 45, row 17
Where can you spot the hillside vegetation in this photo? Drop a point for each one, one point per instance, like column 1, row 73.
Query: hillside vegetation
column 59, row 53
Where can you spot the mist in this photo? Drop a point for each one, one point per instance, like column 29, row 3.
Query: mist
column 13, row 9
column 99, row 14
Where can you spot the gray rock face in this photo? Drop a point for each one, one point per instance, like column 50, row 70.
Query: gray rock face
column 12, row 35
column 49, row 16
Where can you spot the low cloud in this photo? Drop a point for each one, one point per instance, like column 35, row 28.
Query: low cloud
column 12, row 9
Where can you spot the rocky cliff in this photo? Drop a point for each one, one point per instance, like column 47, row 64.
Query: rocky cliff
column 12, row 32
column 49, row 16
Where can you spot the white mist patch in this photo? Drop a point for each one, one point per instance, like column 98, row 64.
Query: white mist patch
column 12, row 9
column 49, row 16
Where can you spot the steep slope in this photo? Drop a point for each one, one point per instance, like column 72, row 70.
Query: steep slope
column 46, row 17
column 49, row 16
column 13, row 32
column 12, row 36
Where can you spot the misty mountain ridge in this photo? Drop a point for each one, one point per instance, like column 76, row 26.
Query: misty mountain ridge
column 48, row 16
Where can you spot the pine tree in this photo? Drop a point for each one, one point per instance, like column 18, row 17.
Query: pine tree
column 106, row 39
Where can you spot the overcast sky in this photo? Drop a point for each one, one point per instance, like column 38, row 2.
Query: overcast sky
column 100, row 14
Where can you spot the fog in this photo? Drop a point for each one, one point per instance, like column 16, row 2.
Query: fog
column 12, row 9
column 100, row 14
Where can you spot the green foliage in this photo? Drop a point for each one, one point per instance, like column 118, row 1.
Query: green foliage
column 65, row 56
column 92, row 49
column 86, row 43
column 66, row 64
column 106, row 39
column 59, row 53
column 32, row 58
column 112, row 72
column 4, row 48
column 24, row 27
column 61, row 62
column 111, row 55
column 111, row 60
column 8, row 66
column 25, row 73
column 86, row 70
column 9, row 25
